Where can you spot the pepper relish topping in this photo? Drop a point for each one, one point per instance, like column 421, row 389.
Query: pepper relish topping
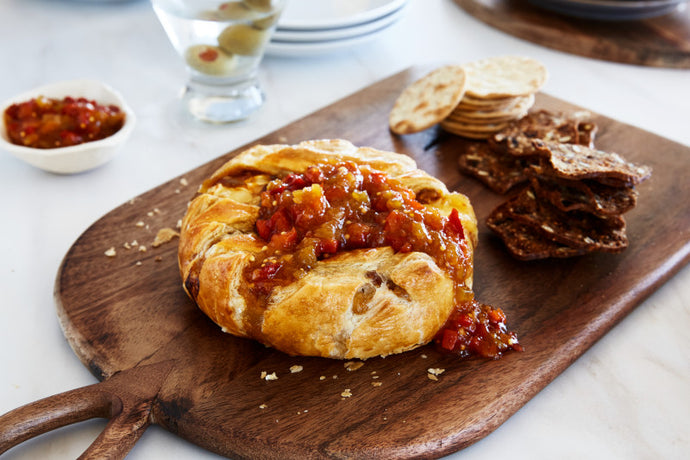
column 47, row 123
column 330, row 208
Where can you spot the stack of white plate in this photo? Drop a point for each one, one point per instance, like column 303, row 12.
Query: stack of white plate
column 311, row 27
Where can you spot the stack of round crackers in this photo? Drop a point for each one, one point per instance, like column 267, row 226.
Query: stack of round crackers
column 473, row 100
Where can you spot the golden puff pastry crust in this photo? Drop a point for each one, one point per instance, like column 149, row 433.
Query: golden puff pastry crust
column 355, row 303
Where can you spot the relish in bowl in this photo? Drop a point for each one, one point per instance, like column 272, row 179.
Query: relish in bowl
column 66, row 127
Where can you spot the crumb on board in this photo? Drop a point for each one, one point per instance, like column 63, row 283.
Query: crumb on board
column 266, row 376
column 164, row 235
column 434, row 372
column 296, row 368
column 110, row 252
column 347, row 393
column 353, row 365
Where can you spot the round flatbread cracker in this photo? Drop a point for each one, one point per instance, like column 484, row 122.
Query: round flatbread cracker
column 489, row 104
column 428, row 100
column 472, row 130
column 475, row 126
column 504, row 76
column 483, row 116
column 467, row 134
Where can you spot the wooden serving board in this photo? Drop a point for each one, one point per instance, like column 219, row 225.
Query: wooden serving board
column 662, row 41
column 125, row 312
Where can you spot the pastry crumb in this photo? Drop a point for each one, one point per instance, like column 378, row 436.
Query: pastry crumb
column 347, row 393
column 266, row 376
column 140, row 224
column 110, row 252
column 184, row 182
column 263, row 406
column 376, row 384
column 434, row 372
column 353, row 365
column 296, row 368
column 164, row 235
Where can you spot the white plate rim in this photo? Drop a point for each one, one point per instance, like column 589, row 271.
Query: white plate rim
column 363, row 16
column 338, row 33
column 320, row 47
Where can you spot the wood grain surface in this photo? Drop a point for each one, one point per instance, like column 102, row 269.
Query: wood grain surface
column 662, row 41
column 129, row 310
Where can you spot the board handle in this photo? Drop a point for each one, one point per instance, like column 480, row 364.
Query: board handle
column 126, row 399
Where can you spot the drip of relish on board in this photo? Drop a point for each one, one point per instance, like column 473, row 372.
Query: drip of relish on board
column 310, row 216
column 47, row 123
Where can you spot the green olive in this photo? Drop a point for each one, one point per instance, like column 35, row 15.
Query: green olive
column 243, row 39
column 266, row 22
column 235, row 11
column 210, row 60
column 262, row 5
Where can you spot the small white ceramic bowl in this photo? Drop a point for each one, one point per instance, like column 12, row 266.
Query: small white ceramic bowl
column 77, row 158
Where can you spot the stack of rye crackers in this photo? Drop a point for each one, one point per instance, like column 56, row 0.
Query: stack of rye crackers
column 567, row 198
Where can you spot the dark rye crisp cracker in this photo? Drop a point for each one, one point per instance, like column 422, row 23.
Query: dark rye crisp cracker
column 585, row 195
column 575, row 229
column 516, row 138
column 498, row 171
column 586, row 133
column 523, row 242
column 575, row 162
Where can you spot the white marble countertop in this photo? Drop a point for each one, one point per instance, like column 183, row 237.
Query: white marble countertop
column 627, row 397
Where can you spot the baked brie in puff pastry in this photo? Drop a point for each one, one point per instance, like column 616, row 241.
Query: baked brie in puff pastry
column 328, row 249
